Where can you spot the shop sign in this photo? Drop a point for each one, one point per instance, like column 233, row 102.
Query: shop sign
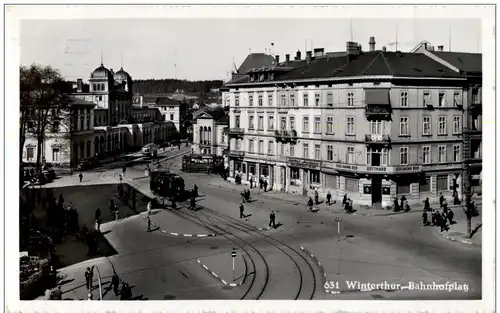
column 411, row 168
column 304, row 163
column 382, row 169
column 347, row 166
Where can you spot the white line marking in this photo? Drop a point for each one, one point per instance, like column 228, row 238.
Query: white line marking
column 187, row 235
column 202, row 235
column 205, row 267
column 175, row 234
column 223, row 281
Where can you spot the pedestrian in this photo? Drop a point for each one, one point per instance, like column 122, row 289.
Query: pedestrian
column 427, row 205
column 261, row 183
column 149, row 224
column 242, row 209
column 445, row 208
column 328, row 198
column 123, row 293
column 265, row 185
column 193, row 204
column 97, row 213
column 344, row 200
column 444, row 224
column 57, row 293
column 433, row 217
column 98, row 225
column 424, row 218
column 396, row 204
column 316, row 197
column 124, row 169
column 149, row 207
column 441, row 199
column 81, row 177
column 251, row 182
column 115, row 281
column 310, row 203
column 272, row 219
column 88, row 278
column 195, row 188
column 450, row 216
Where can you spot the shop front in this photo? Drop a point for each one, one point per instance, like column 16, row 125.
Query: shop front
column 305, row 176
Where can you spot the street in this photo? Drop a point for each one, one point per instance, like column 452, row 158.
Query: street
column 272, row 263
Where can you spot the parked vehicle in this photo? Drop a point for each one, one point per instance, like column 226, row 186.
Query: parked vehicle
column 150, row 150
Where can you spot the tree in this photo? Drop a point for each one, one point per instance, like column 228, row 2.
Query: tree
column 44, row 98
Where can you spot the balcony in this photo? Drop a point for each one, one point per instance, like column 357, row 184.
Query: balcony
column 235, row 131
column 285, row 135
column 371, row 139
column 378, row 112
column 236, row 154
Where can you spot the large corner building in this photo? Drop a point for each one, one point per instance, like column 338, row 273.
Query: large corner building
column 370, row 124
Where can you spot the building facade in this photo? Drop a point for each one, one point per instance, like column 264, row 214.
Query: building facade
column 210, row 132
column 372, row 125
column 101, row 121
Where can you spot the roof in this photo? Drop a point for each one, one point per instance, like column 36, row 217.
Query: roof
column 371, row 63
column 81, row 102
column 256, row 60
column 160, row 101
column 101, row 72
column 122, row 75
column 216, row 113
column 466, row 62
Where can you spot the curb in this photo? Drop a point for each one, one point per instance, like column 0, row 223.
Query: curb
column 466, row 241
column 321, row 269
column 222, row 280
column 178, row 234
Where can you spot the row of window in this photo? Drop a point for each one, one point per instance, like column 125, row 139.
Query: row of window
column 374, row 157
column 376, row 127
column 99, row 87
column 290, row 99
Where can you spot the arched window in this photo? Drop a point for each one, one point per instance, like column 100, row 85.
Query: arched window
column 102, row 87
column 209, row 133
column 95, row 87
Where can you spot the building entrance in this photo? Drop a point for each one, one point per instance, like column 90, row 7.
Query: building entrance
column 376, row 189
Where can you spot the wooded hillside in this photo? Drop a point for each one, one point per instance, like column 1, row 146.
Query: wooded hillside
column 157, row 86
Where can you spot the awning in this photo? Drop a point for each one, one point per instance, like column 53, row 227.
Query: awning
column 377, row 97
column 329, row 171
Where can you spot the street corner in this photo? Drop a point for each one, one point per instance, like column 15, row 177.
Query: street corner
column 175, row 225
column 229, row 267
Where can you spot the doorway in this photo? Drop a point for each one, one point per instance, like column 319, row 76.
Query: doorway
column 376, row 189
column 283, row 178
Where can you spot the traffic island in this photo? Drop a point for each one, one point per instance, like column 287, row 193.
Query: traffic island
column 220, row 266
column 161, row 220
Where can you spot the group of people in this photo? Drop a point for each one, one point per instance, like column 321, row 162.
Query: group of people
column 245, row 195
column 439, row 219
column 347, row 204
column 263, row 184
column 401, row 205
column 125, row 292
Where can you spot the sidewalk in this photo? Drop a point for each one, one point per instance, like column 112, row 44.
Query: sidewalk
column 458, row 231
column 335, row 206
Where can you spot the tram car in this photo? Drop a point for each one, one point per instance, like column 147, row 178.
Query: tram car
column 166, row 184
column 203, row 163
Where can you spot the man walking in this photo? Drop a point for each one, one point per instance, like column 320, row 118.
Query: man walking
column 242, row 209
column 328, row 198
column 81, row 177
column 88, row 278
column 149, row 207
column 272, row 219
column 316, row 197
column 149, row 224
column 424, row 218
column 115, row 280
column 265, row 185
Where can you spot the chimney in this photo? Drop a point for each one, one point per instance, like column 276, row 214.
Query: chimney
column 308, row 57
column 287, row 58
column 440, row 48
column 299, row 55
column 384, row 49
column 319, row 52
column 277, row 57
column 79, row 85
column 352, row 49
column 372, row 43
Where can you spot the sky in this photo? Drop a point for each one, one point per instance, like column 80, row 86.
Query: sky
column 205, row 49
